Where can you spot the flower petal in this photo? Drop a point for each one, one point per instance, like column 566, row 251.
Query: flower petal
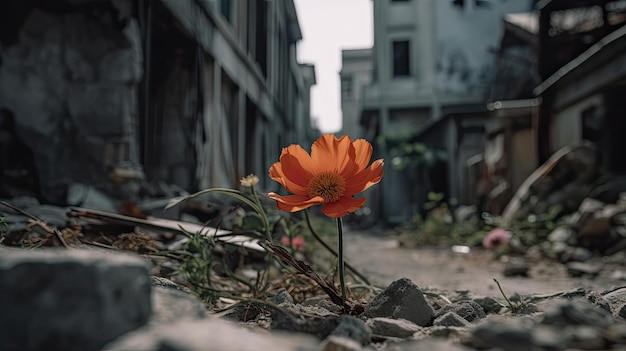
column 277, row 173
column 330, row 154
column 363, row 153
column 295, row 158
column 365, row 179
column 295, row 203
column 342, row 207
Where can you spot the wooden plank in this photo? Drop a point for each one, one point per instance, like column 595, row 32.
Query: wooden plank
column 160, row 224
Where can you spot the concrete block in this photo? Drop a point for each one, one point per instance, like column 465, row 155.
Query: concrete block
column 70, row 299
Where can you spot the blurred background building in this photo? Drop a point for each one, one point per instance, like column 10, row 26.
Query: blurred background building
column 196, row 93
column 468, row 97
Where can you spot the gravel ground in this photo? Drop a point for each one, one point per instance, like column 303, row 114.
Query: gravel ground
column 382, row 260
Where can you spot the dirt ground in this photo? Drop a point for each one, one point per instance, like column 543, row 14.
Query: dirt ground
column 382, row 260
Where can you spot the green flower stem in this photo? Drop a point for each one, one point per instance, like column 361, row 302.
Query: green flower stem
column 342, row 279
column 261, row 211
column 330, row 249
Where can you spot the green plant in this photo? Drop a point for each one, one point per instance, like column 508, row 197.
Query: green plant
column 407, row 154
column 198, row 255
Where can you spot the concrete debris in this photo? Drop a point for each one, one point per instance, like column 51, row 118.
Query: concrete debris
column 91, row 300
column 210, row 334
column 401, row 299
column 72, row 299
column 397, row 328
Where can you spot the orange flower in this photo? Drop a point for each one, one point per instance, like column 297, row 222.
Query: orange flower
column 336, row 170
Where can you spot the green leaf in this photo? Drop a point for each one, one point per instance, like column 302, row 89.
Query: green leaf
column 225, row 191
column 253, row 221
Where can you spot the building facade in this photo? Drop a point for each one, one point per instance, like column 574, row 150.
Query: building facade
column 355, row 75
column 431, row 71
column 197, row 93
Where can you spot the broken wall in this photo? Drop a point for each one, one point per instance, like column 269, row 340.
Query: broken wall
column 71, row 81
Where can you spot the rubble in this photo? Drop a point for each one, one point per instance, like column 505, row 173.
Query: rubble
column 73, row 299
column 164, row 314
column 400, row 317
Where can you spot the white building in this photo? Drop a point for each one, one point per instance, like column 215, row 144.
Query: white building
column 355, row 75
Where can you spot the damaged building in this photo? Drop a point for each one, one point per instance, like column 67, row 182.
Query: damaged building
column 430, row 72
column 565, row 61
column 196, row 93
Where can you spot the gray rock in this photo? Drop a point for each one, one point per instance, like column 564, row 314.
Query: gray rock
column 561, row 234
column 312, row 320
column 398, row 328
column 577, row 269
column 509, row 335
column 469, row 310
column 323, row 302
column 616, row 299
column 615, row 333
column 517, row 269
column 166, row 283
column 450, row 319
column 170, row 305
column 426, row 344
column 70, row 299
column 281, row 296
column 354, row 329
column 401, row 299
column 210, row 334
column 576, row 312
column 489, row 304
column 598, row 300
column 585, row 337
column 341, row 343
column 549, row 338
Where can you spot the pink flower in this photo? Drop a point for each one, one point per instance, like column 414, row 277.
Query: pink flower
column 496, row 238
column 297, row 242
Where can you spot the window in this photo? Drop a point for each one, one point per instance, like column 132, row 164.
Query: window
column 401, row 58
column 346, row 87
column 225, row 9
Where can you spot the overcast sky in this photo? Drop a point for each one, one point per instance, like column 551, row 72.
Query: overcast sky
column 327, row 27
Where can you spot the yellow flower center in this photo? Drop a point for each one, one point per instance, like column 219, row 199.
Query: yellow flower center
column 330, row 186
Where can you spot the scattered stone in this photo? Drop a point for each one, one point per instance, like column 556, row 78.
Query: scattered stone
column 576, row 312
column 398, row 328
column 170, row 305
column 450, row 319
column 166, row 283
column 508, row 334
column 561, row 234
column 242, row 312
column 72, row 299
column 426, row 344
column 323, row 302
column 585, row 337
column 489, row 304
column 616, row 299
column 615, row 333
column 341, row 343
column 518, row 269
column 281, row 296
column 210, row 334
column 353, row 328
column 312, row 320
column 401, row 299
column 578, row 269
column 468, row 310
column 576, row 254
